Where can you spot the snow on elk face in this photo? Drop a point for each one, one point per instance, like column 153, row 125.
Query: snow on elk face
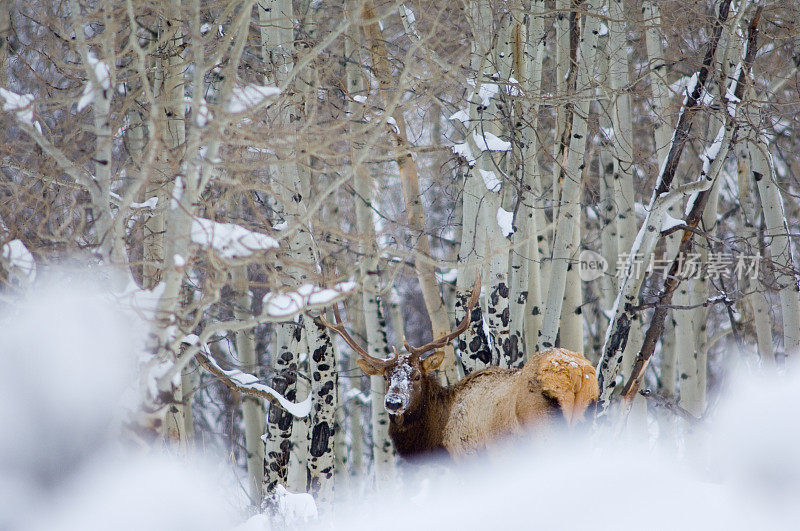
column 404, row 373
column 403, row 385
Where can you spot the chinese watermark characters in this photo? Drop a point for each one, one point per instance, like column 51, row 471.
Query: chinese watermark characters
column 716, row 266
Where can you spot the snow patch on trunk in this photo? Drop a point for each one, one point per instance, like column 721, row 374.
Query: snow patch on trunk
column 228, row 239
column 20, row 104
column 465, row 152
column 102, row 75
column 486, row 141
column 249, row 96
column 505, row 219
column 304, row 298
column 491, row 181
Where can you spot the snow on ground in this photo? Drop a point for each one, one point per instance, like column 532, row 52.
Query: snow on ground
column 744, row 474
column 66, row 356
column 69, row 354
column 292, row 511
column 139, row 492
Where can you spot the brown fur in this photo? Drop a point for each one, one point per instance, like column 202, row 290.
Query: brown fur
column 493, row 403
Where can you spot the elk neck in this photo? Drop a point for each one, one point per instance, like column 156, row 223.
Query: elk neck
column 420, row 430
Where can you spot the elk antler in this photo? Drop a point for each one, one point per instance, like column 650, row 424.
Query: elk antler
column 339, row 329
column 445, row 339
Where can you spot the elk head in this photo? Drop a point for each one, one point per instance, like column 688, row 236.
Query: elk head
column 404, row 372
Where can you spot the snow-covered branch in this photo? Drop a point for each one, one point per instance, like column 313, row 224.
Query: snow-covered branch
column 247, row 384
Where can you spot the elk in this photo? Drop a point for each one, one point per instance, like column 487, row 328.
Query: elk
column 492, row 403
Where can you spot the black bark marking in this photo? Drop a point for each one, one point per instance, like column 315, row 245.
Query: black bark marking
column 319, row 354
column 475, row 316
column 320, row 439
column 503, row 289
column 325, row 389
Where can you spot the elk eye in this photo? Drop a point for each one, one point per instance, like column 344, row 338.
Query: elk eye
column 417, row 376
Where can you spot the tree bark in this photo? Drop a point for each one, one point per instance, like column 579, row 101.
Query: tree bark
column 563, row 246
column 252, row 407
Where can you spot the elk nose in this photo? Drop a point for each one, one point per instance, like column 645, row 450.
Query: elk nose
column 393, row 403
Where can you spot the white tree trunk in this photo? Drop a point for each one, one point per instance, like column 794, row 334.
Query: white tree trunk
column 294, row 188
column 622, row 139
column 374, row 322
column 289, row 340
column 571, row 323
column 474, row 346
column 776, row 229
column 563, row 86
column 686, row 348
column 663, row 126
column 252, row 407
column 758, row 299
column 563, row 246
column 284, row 431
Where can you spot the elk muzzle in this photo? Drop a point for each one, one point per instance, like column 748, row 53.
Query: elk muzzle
column 394, row 404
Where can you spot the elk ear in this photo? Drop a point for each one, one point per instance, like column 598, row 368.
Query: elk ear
column 432, row 362
column 365, row 366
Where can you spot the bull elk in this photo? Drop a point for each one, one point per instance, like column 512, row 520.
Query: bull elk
column 488, row 404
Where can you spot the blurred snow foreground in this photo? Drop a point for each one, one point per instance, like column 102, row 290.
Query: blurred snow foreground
column 746, row 475
column 68, row 355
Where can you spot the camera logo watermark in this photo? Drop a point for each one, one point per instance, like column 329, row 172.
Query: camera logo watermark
column 591, row 265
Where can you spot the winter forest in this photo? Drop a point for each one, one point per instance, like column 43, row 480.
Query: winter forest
column 220, row 218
